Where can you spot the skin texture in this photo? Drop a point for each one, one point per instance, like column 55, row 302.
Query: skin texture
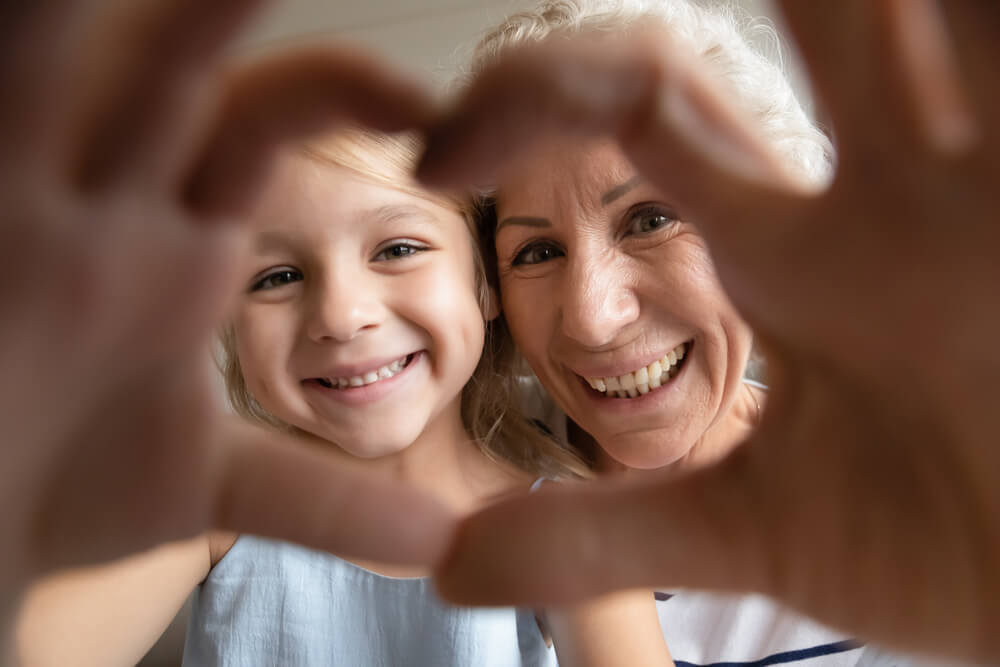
column 599, row 276
column 131, row 147
column 869, row 496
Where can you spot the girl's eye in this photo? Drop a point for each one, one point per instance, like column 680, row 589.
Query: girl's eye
column 648, row 220
column 536, row 253
column 276, row 279
column 398, row 251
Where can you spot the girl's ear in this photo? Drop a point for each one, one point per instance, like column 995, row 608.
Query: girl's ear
column 492, row 310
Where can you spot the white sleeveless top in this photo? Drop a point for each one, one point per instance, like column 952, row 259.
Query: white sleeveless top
column 274, row 603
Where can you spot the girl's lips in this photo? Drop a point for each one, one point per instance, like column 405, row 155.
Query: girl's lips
column 369, row 393
column 373, row 374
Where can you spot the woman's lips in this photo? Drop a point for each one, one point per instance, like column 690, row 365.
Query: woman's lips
column 645, row 379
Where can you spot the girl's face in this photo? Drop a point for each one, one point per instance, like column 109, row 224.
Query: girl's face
column 614, row 302
column 359, row 322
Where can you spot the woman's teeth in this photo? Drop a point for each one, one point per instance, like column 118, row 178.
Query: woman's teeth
column 371, row 377
column 643, row 380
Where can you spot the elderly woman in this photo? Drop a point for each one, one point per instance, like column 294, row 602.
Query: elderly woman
column 612, row 298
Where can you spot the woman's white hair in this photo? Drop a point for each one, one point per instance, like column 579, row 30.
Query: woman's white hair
column 720, row 34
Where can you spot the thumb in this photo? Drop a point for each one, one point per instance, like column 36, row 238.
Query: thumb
column 278, row 486
column 563, row 545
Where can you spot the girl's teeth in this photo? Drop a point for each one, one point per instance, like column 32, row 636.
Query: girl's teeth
column 371, row 377
column 643, row 380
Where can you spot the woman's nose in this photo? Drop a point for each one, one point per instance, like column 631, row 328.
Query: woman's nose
column 599, row 300
column 341, row 307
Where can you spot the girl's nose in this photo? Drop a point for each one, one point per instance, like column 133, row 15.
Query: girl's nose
column 341, row 307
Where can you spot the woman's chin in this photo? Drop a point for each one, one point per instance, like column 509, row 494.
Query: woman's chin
column 647, row 451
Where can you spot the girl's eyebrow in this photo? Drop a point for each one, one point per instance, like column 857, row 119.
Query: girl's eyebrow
column 392, row 212
column 271, row 241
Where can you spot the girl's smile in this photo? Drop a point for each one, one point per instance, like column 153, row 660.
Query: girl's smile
column 368, row 386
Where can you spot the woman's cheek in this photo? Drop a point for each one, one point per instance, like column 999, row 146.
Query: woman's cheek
column 518, row 312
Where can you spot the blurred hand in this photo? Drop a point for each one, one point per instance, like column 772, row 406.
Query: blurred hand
column 130, row 151
column 870, row 495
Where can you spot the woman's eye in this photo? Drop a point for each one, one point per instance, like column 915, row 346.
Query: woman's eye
column 649, row 220
column 536, row 253
column 276, row 279
column 398, row 251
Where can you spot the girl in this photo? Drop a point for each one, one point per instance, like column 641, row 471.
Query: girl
column 365, row 325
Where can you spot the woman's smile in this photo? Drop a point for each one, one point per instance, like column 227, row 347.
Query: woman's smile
column 668, row 398
column 642, row 381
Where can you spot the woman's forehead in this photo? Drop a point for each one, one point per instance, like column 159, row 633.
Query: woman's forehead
column 589, row 175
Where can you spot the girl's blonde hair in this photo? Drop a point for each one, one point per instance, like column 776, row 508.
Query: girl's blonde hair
column 491, row 398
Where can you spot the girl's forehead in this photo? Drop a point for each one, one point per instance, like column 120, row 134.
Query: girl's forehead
column 308, row 200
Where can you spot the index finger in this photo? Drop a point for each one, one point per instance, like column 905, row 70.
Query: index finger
column 574, row 543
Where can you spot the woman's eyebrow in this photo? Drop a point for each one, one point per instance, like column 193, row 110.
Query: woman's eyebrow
column 523, row 221
column 620, row 191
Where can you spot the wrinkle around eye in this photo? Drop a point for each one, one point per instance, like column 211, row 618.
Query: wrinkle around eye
column 648, row 211
column 518, row 259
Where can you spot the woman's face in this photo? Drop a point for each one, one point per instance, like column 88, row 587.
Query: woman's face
column 614, row 302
